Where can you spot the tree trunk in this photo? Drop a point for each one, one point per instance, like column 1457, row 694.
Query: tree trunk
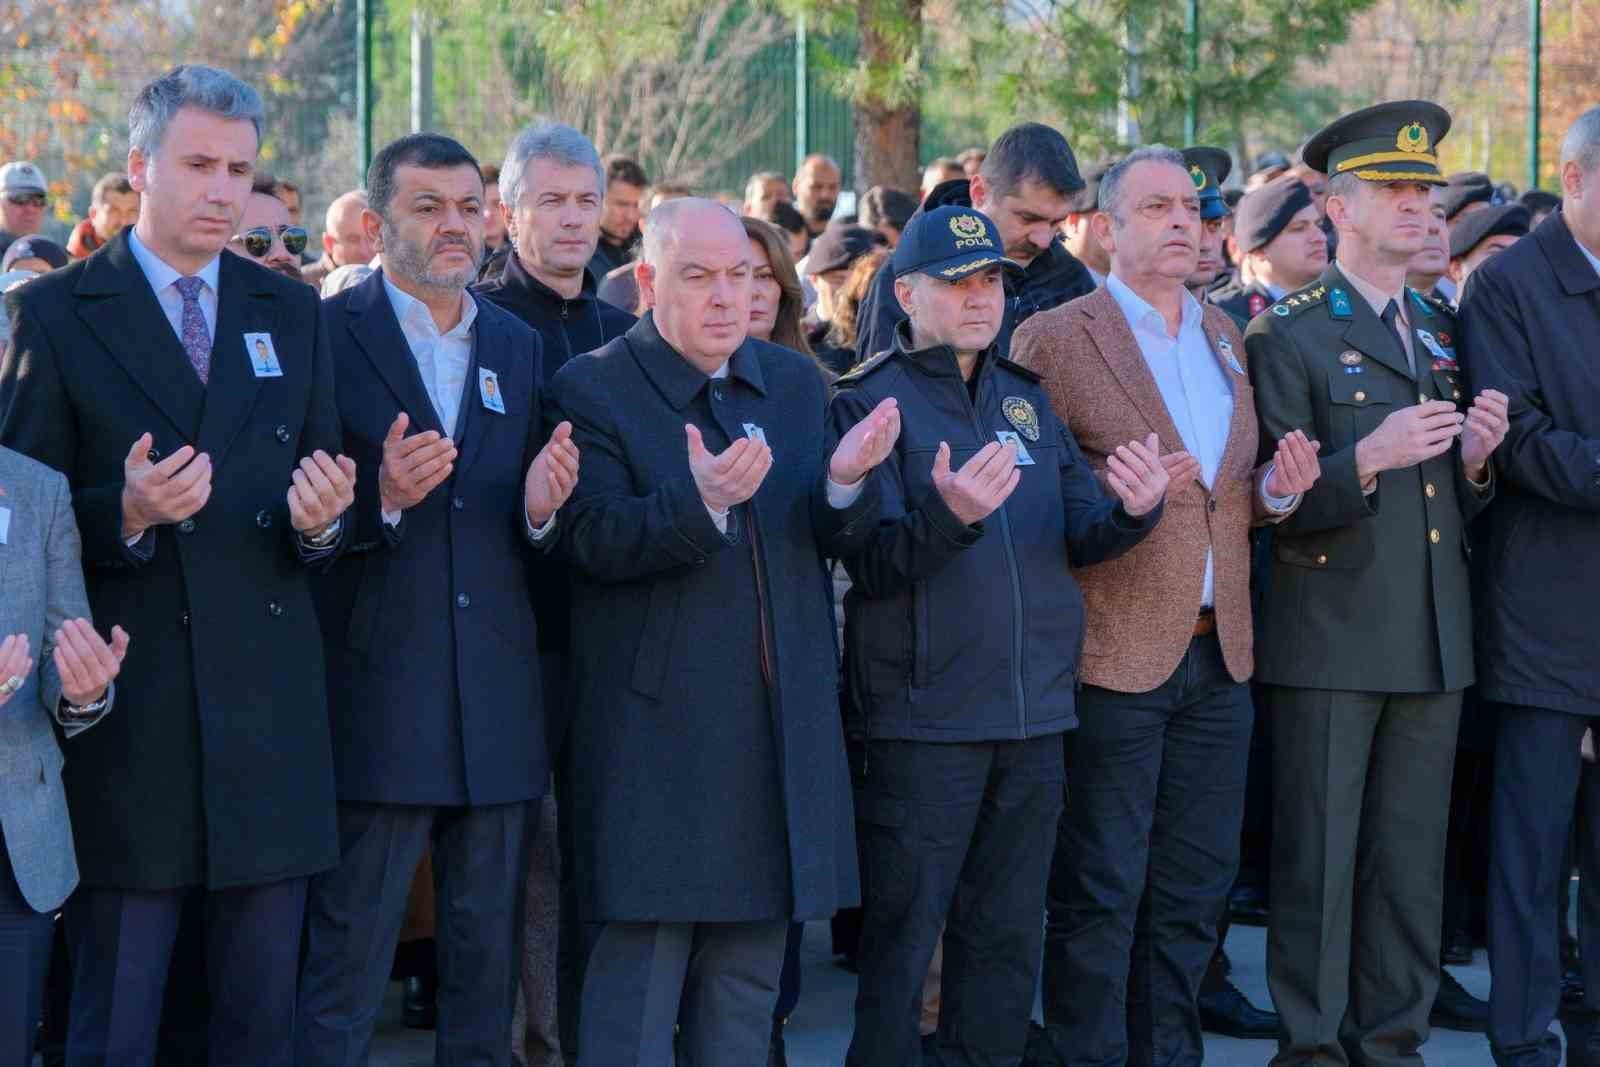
column 888, row 135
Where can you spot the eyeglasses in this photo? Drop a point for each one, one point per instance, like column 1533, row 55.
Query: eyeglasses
column 258, row 241
column 27, row 199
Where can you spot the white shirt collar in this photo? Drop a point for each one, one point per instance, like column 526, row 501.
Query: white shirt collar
column 1594, row 260
column 413, row 314
column 161, row 274
column 1137, row 309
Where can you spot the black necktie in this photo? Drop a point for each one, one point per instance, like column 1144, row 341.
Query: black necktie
column 1391, row 319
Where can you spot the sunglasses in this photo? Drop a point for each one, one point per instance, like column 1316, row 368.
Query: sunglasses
column 258, row 241
column 28, row 199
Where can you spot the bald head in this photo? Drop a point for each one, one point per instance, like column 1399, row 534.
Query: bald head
column 671, row 219
column 344, row 238
column 696, row 278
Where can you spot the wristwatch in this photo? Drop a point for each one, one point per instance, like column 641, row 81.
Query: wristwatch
column 84, row 711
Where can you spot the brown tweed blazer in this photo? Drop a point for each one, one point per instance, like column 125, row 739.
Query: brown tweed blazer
column 1142, row 606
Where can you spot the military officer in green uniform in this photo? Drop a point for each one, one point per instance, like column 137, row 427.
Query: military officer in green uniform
column 1367, row 640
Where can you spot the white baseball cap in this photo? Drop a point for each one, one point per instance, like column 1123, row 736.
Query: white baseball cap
column 22, row 177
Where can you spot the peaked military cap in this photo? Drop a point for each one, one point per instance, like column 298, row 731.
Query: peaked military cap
column 1390, row 142
column 1208, row 169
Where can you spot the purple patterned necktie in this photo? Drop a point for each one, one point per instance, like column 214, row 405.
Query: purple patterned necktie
column 196, row 338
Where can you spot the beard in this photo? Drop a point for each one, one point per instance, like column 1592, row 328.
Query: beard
column 415, row 261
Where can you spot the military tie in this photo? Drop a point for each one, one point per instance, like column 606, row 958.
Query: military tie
column 1391, row 319
column 196, row 337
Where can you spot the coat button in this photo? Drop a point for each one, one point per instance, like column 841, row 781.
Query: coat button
column 184, row 621
column 1455, row 394
column 1430, row 490
column 1422, row 398
column 154, row 454
column 458, row 503
column 264, row 519
column 1360, row 397
column 274, row 608
column 1211, row 505
column 282, row 434
column 186, row 526
column 1322, row 561
column 1433, row 535
column 463, row 600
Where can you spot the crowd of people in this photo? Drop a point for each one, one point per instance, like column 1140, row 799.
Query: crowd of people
column 560, row 586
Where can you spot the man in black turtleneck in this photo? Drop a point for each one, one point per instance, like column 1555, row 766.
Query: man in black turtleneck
column 552, row 185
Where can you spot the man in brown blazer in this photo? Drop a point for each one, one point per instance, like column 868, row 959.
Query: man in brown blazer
column 1157, row 765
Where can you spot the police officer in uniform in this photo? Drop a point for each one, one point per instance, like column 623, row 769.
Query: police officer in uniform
column 1367, row 639
column 963, row 627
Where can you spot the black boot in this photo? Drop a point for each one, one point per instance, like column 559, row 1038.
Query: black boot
column 1225, row 1011
column 1456, row 1009
column 420, row 1007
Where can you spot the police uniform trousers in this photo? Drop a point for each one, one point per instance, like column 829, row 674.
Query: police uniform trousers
column 1147, row 851
column 1358, row 840
column 1540, row 782
column 354, row 914
column 959, row 832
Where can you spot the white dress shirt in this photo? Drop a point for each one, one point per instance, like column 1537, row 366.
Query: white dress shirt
column 442, row 359
column 163, row 278
column 1194, row 387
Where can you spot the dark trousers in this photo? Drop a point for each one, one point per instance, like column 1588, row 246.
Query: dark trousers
column 1362, row 800
column 1539, row 778
column 1147, row 851
column 121, row 945
column 25, row 937
column 716, row 982
column 354, row 914
column 957, row 832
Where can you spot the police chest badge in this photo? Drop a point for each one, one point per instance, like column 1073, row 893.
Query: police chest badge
column 1020, row 413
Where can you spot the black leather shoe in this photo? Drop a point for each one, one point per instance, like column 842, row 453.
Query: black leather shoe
column 1457, row 951
column 777, row 1056
column 1227, row 1012
column 1456, row 1009
column 1247, row 906
column 419, row 1008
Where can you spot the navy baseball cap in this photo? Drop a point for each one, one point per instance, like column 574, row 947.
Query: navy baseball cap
column 949, row 243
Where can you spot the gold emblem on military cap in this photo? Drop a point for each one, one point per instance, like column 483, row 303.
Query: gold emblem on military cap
column 969, row 228
column 1413, row 137
column 1020, row 413
column 1197, row 176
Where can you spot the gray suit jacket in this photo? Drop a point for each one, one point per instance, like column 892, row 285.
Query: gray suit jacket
column 41, row 585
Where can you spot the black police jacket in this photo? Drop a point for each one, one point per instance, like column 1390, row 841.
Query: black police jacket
column 970, row 633
column 1049, row 281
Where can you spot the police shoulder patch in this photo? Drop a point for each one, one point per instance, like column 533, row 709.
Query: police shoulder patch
column 862, row 369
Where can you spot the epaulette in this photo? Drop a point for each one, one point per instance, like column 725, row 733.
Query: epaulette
column 1033, row 376
column 1301, row 299
column 1430, row 304
column 862, row 369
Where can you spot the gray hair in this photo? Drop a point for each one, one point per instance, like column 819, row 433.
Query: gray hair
column 190, row 85
column 1110, row 196
column 1347, row 185
column 1581, row 145
column 545, row 139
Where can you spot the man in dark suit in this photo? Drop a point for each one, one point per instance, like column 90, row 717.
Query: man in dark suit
column 131, row 372
column 1530, row 316
column 438, row 723
column 1367, row 642
column 552, row 185
column 711, row 803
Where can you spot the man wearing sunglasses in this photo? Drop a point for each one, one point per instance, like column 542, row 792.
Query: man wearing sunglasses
column 265, row 233
column 24, row 195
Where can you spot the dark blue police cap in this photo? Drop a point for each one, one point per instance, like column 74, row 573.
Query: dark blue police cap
column 948, row 243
